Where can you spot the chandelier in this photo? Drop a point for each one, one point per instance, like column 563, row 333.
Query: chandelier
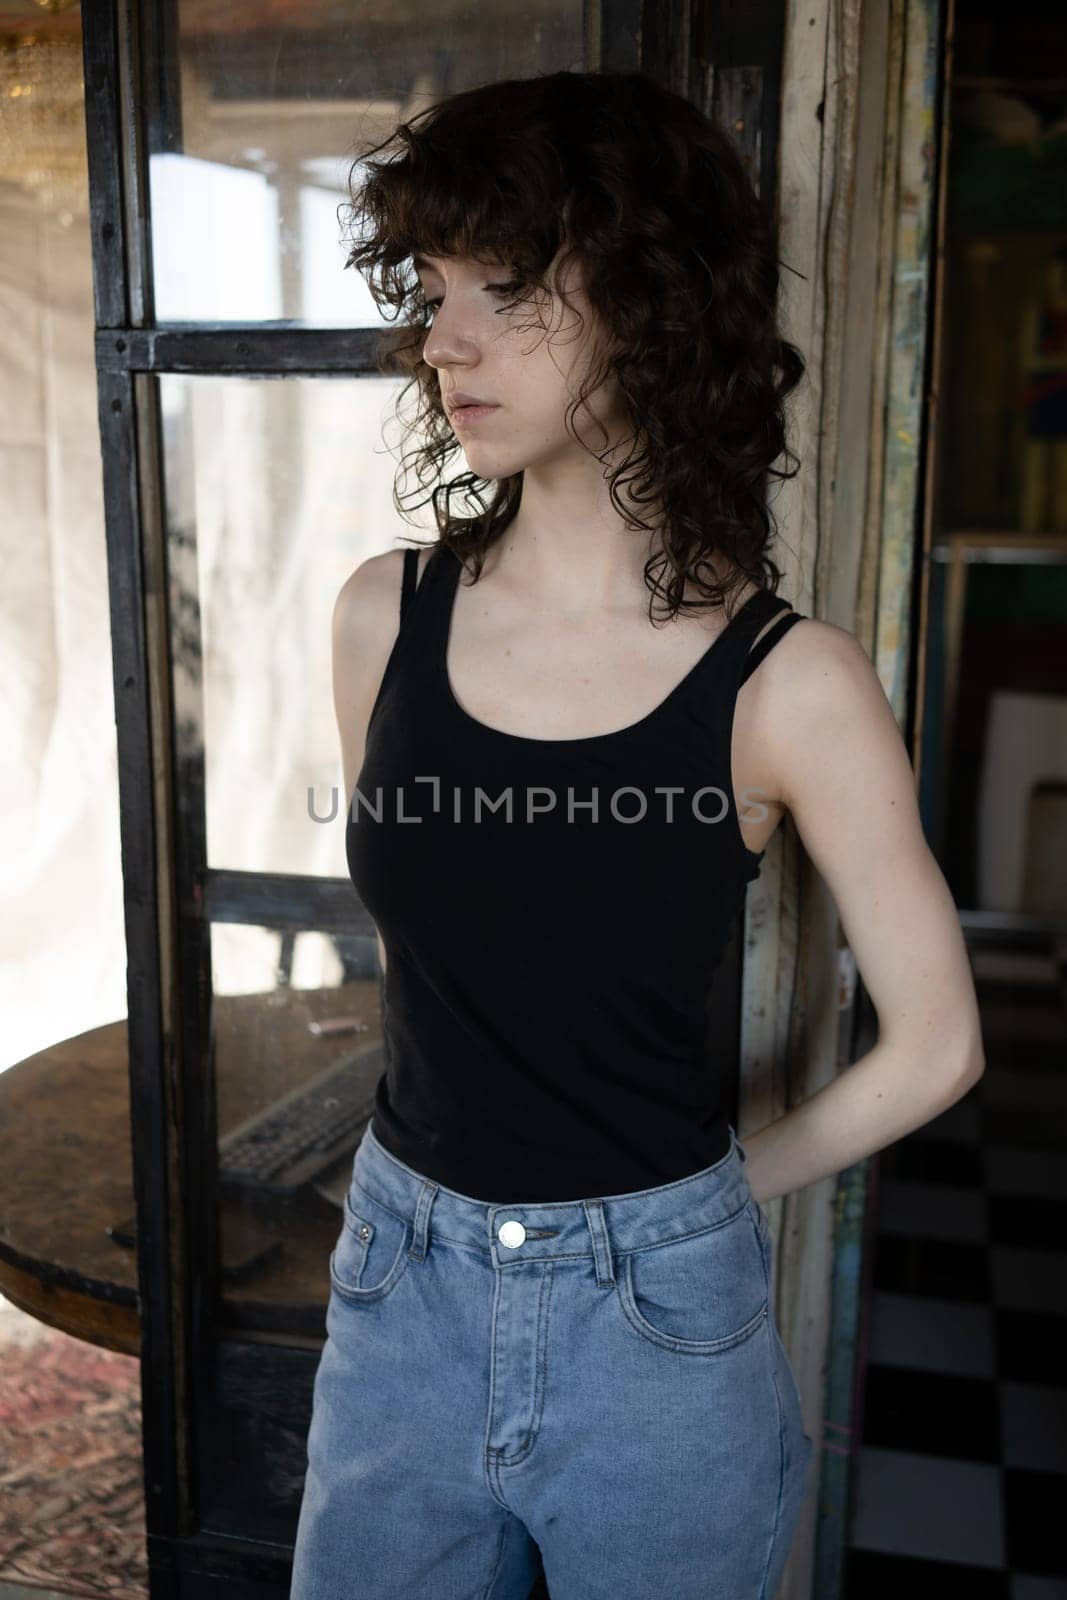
column 42, row 109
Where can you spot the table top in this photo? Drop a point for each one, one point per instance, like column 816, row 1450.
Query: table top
column 66, row 1170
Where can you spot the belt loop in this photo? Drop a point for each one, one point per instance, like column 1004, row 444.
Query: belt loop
column 598, row 1232
column 738, row 1146
column 421, row 1223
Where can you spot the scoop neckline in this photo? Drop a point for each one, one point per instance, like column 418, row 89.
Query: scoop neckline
column 583, row 739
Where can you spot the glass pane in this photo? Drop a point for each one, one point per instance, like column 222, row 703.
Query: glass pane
column 262, row 116
column 275, row 492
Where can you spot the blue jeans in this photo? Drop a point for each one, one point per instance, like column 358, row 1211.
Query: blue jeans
column 601, row 1377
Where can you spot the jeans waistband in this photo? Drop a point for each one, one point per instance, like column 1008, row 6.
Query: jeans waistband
column 554, row 1229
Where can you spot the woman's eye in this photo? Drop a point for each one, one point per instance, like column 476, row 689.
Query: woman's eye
column 493, row 288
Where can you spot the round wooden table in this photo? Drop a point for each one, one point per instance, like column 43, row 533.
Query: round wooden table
column 66, row 1171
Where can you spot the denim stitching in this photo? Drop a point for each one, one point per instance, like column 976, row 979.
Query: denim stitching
column 781, row 1473
column 688, row 1347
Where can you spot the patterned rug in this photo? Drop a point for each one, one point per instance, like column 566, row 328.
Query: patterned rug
column 71, row 1495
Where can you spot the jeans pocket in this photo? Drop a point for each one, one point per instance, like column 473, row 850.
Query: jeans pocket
column 700, row 1294
column 371, row 1253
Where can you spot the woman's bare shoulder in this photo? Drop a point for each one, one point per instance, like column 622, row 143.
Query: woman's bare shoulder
column 821, row 653
column 366, row 620
column 803, row 658
column 367, row 608
column 810, row 646
column 365, row 593
column 819, row 694
column 792, row 688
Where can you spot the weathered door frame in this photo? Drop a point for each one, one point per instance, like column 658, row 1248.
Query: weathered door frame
column 858, row 185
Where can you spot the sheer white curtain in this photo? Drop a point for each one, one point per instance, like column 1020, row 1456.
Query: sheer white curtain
column 287, row 485
column 62, row 947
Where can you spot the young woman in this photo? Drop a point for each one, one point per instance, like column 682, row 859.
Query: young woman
column 551, row 1322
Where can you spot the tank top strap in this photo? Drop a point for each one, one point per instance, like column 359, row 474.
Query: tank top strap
column 436, row 592
column 412, row 652
column 723, row 662
column 425, row 605
column 778, row 629
column 425, row 596
column 407, row 588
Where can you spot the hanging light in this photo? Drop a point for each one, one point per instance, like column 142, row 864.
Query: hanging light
column 42, row 112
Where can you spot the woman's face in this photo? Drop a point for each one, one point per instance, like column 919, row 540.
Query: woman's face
column 528, row 362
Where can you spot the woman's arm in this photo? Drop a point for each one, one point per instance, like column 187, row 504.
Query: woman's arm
column 366, row 617
column 843, row 771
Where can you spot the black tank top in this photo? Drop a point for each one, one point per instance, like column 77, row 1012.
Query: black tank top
column 552, row 912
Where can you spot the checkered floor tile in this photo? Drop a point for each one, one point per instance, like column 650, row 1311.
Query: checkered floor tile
column 960, row 1479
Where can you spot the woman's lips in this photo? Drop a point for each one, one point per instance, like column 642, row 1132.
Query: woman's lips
column 461, row 415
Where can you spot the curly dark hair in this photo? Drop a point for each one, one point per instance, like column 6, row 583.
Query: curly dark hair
column 677, row 258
